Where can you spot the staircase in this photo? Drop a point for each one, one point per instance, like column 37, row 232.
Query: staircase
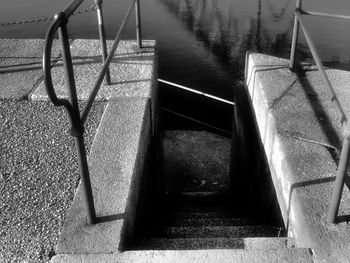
column 205, row 220
column 187, row 214
column 196, row 222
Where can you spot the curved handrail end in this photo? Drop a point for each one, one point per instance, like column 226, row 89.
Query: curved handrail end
column 60, row 18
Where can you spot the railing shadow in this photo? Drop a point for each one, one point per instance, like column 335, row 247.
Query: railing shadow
column 318, row 110
column 22, row 67
column 86, row 60
column 321, row 115
column 339, row 219
column 109, row 218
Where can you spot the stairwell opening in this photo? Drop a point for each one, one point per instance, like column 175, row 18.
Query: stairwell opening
column 207, row 190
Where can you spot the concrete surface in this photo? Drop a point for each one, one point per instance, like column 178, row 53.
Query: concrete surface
column 195, row 161
column 301, row 134
column 38, row 165
column 21, row 66
column 116, row 163
column 198, row 243
column 131, row 70
column 134, row 73
column 34, row 207
column 219, row 231
column 38, row 176
column 189, row 256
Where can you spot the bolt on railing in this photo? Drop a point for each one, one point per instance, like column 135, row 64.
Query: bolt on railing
column 344, row 158
column 77, row 120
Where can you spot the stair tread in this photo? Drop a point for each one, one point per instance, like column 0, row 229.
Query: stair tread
column 198, row 198
column 212, row 243
column 221, row 231
column 216, row 231
column 213, row 214
column 171, row 220
column 281, row 255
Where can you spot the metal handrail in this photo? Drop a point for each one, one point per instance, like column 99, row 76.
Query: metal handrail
column 345, row 153
column 77, row 120
column 71, row 7
column 196, row 92
column 100, row 77
column 46, row 67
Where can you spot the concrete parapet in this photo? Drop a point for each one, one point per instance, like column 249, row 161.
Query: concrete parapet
column 301, row 135
column 132, row 71
column 188, row 256
column 116, row 165
column 121, row 146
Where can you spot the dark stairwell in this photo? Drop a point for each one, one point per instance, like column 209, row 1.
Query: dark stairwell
column 194, row 202
column 212, row 190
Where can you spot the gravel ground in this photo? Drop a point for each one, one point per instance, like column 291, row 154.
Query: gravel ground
column 38, row 176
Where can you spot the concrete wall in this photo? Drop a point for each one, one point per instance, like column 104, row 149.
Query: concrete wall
column 249, row 169
column 301, row 137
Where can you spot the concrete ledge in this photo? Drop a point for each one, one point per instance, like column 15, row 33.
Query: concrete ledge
column 189, row 256
column 132, row 71
column 116, row 164
column 20, row 66
column 301, row 135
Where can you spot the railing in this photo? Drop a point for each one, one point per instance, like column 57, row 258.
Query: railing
column 200, row 93
column 78, row 119
column 344, row 157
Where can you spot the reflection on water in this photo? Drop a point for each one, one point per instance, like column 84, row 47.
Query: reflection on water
column 227, row 29
column 202, row 43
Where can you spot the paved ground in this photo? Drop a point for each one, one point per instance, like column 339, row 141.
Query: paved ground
column 38, row 175
column 38, row 167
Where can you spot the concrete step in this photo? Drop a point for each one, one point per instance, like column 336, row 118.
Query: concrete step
column 201, row 215
column 206, row 219
column 211, row 243
column 282, row 255
column 217, row 232
column 197, row 197
column 197, row 202
column 117, row 158
column 193, row 208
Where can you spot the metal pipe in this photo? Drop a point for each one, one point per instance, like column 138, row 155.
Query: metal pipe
column 194, row 120
column 295, row 37
column 318, row 62
column 77, row 127
column 101, row 30
column 47, row 64
column 98, row 82
column 339, row 182
column 138, row 23
column 69, row 78
column 85, row 179
column 312, row 13
column 197, row 92
column 71, row 7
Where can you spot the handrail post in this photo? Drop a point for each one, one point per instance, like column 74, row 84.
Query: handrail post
column 77, row 130
column 138, row 23
column 339, row 180
column 295, row 36
column 101, row 30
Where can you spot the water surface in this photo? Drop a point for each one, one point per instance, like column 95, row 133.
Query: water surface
column 201, row 43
